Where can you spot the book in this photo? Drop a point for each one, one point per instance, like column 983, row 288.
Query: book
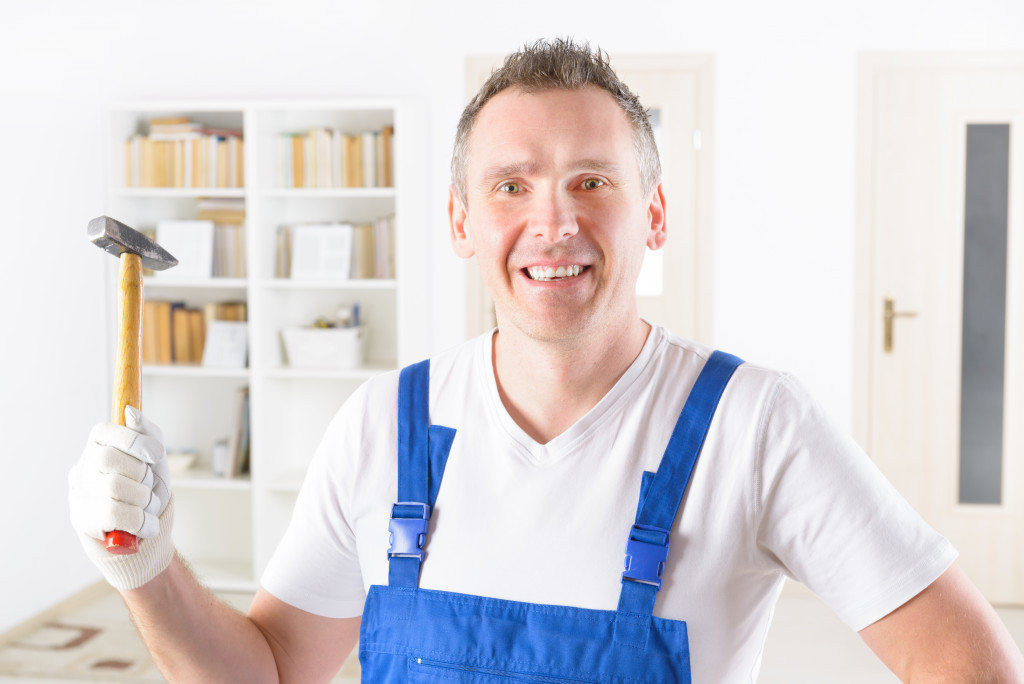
column 356, row 162
column 237, row 461
column 384, row 247
column 363, row 251
column 228, row 217
column 322, row 157
column 369, row 162
column 191, row 242
column 387, row 134
column 337, row 159
column 160, row 327
column 150, row 333
column 226, row 344
column 283, row 253
column 197, row 333
column 224, row 311
column 223, row 163
column 178, row 152
column 188, row 335
column 324, row 164
column 321, row 251
column 298, row 161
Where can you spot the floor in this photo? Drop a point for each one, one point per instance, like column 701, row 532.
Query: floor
column 838, row 655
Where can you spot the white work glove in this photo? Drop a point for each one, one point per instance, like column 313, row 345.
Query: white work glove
column 121, row 482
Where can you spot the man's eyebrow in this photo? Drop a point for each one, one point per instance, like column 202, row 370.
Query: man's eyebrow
column 500, row 171
column 525, row 168
column 598, row 165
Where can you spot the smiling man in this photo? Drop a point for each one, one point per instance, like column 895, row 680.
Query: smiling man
column 578, row 495
column 557, row 214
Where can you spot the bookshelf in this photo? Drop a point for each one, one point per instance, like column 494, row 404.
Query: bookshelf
column 229, row 527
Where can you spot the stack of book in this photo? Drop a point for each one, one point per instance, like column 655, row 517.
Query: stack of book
column 181, row 153
column 336, row 250
column 212, row 246
column 174, row 333
column 330, row 158
column 228, row 217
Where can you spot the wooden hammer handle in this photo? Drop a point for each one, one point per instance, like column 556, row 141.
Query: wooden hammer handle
column 128, row 367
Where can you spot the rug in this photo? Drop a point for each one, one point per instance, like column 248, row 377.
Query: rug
column 90, row 638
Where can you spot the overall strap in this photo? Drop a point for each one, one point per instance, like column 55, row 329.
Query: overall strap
column 422, row 455
column 647, row 547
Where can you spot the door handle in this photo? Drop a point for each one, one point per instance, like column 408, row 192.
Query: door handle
column 890, row 314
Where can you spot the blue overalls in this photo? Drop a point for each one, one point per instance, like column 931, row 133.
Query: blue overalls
column 410, row 634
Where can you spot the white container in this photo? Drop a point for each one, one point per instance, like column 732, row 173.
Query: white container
column 338, row 348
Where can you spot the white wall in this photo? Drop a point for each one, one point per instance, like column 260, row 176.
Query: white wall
column 785, row 118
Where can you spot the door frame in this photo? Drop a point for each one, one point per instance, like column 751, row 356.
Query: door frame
column 479, row 309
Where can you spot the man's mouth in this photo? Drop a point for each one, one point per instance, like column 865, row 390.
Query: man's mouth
column 549, row 273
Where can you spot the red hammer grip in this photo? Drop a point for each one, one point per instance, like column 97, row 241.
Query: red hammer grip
column 122, row 543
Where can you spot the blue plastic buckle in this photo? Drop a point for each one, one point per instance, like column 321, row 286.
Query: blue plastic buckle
column 408, row 534
column 646, row 553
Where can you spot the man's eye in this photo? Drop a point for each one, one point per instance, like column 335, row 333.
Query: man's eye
column 592, row 183
column 509, row 187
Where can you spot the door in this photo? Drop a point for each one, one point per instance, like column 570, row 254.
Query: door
column 941, row 299
column 674, row 289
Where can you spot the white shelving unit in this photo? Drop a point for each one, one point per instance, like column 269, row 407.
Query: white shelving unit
column 228, row 528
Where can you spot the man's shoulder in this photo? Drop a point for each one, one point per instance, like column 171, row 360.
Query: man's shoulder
column 681, row 357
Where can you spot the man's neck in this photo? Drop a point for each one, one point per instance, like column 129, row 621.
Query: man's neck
column 546, row 387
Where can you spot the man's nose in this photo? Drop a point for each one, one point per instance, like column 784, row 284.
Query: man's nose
column 555, row 218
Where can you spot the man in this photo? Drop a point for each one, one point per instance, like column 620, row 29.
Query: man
column 524, row 462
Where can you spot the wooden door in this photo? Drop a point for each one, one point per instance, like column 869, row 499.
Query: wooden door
column 940, row 361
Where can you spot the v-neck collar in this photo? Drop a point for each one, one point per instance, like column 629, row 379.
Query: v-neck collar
column 576, row 434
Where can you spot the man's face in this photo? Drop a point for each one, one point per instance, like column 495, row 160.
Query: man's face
column 555, row 212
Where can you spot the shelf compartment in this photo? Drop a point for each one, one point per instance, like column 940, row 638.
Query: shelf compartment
column 299, row 410
column 296, row 308
column 213, row 530
column 193, row 408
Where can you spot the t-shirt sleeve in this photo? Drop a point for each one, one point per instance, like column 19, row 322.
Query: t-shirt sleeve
column 832, row 520
column 316, row 566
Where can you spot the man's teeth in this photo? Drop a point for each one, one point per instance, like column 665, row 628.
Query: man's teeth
column 541, row 273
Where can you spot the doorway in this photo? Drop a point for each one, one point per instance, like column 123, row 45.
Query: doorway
column 940, row 310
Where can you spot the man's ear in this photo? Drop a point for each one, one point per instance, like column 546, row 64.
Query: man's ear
column 656, row 215
column 461, row 243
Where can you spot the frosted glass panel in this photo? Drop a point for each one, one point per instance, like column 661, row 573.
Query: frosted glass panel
column 984, row 320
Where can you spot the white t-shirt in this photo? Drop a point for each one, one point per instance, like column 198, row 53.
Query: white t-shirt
column 777, row 492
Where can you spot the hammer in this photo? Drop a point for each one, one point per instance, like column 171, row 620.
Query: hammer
column 135, row 251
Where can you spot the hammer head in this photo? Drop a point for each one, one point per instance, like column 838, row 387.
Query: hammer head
column 116, row 238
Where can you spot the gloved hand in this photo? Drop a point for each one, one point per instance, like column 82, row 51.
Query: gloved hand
column 121, row 482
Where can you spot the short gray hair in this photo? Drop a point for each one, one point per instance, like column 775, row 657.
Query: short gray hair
column 565, row 65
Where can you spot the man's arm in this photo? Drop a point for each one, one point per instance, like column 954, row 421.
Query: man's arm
column 195, row 638
column 947, row 633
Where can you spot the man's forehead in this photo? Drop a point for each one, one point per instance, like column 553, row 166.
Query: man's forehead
column 589, row 99
column 518, row 132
